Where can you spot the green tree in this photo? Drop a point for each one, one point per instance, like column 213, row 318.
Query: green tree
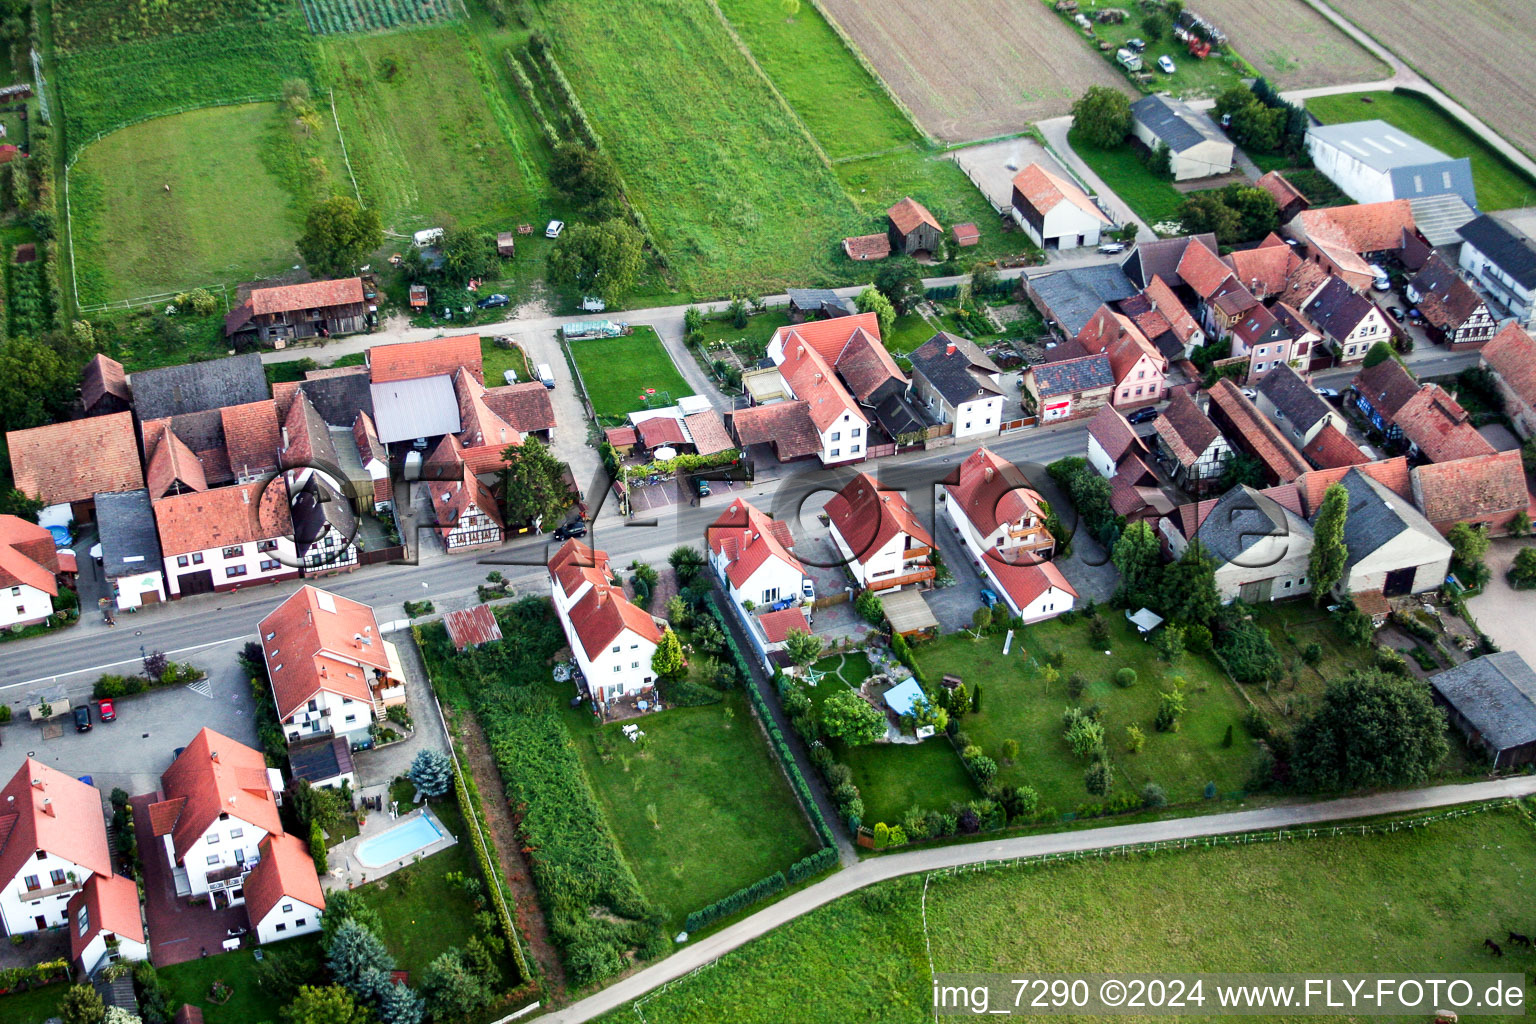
column 1522, row 571
column 331, row 1004
column 399, row 1005
column 598, row 259
column 981, row 619
column 868, row 605
column 357, row 959
column 344, row 905
column 1189, row 587
column 317, row 848
column 39, row 387
column 1154, row 25
column 849, row 717
column 870, row 300
column 686, row 562
column 1259, row 127
column 431, row 772
column 667, row 662
column 452, row 987
column 338, row 235
column 1207, row 211
column 901, row 281
column 1256, row 210
column 1376, row 355
column 468, row 253
column 1470, row 544
column 1241, row 469
column 1099, row 777
column 984, row 278
column 1139, row 559
column 588, row 178
column 533, row 483
column 803, row 647
column 1326, row 563
column 81, row 1005
column 1169, row 643
column 1170, row 708
column 1160, row 160
column 1101, row 117
column 1372, row 729
column 14, row 503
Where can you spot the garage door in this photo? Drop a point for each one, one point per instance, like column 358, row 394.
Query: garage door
column 199, row 582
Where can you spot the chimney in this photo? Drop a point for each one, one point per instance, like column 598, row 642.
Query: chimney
column 48, row 806
column 988, row 473
column 245, row 495
column 37, row 783
column 213, row 755
column 949, row 349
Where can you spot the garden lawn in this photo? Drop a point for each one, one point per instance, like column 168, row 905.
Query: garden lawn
column 892, row 777
column 1152, row 198
column 727, row 815
column 151, row 203
column 1425, row 896
column 32, row 1007
column 617, row 371
column 911, row 331
column 498, row 361
column 1500, row 186
column 1016, row 705
column 1192, row 78
column 1292, row 626
column 754, row 336
column 724, row 174
column 189, row 982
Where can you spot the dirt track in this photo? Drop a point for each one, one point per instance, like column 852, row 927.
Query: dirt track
column 973, row 69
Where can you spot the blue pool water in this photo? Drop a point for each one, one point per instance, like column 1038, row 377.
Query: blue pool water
column 400, row 841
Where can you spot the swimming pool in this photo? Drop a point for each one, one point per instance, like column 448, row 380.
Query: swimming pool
column 399, row 842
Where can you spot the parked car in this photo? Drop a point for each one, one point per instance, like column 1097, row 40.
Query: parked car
column 83, row 718
column 988, row 598
column 1326, row 392
column 1415, row 316
column 574, row 528
column 593, row 304
column 1143, row 415
column 1383, row 280
column 546, row 375
column 701, row 486
column 1136, row 45
column 1250, row 394
column 1166, row 65
column 554, row 229
column 1110, row 248
column 106, row 711
column 1128, row 60
column 1398, row 313
column 493, row 301
column 808, row 588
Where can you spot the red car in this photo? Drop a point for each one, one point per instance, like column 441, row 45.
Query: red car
column 106, row 711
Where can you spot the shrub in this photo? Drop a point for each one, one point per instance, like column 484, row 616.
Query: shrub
column 1135, row 739
column 868, row 605
column 1125, row 678
column 1083, row 734
column 1021, row 802
column 1098, row 631
column 1170, row 708
column 1248, row 652
column 1522, row 572
column 983, row 768
column 1355, row 625
column 1312, row 654
column 1152, row 796
column 1099, row 778
column 1076, row 684
column 1010, row 751
column 1197, row 638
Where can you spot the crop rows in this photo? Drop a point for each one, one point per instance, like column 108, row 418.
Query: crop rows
column 89, row 24
column 328, row 17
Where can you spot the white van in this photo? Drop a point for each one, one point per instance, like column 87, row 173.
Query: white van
column 430, row 236
column 546, row 375
column 1383, row 282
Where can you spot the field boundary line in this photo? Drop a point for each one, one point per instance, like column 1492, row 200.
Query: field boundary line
column 869, row 67
column 343, row 140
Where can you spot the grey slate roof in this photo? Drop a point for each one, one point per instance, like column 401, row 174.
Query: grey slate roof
column 1073, row 296
column 1336, row 309
column 893, row 410
column 1377, row 516
column 317, row 508
column 338, row 399
column 1510, row 250
column 1160, row 258
column 1241, row 518
column 819, row 298
column 1415, row 168
column 1293, row 397
column 1175, row 123
column 959, row 377
column 1070, row 376
column 130, row 543
column 196, row 387
column 1496, row 694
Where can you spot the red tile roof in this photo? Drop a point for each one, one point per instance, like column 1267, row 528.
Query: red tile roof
column 1512, row 355
column 111, row 904
column 103, row 376
column 309, row 295
column 73, row 460
column 1263, row 271
column 909, row 214
column 867, row 247
column 1045, row 191
column 575, row 564
column 471, row 627
column 605, row 613
column 1184, row 429
column 27, row 556
column 1256, row 434
column 747, row 538
column 1361, row 227
column 787, row 425
column 314, row 646
column 525, row 406
column 1183, row 325
column 828, row 337
column 1280, row 187
column 1026, row 581
column 1390, row 473
column 453, row 500
column 41, row 808
column 1467, row 490
column 223, row 516
column 1202, row 269
column 864, row 364
column 708, row 433
column 1440, row 428
column 776, row 625
column 439, row 356
column 966, row 234
column 1387, row 386
column 285, row 872
column 659, row 431
column 251, row 437
column 214, row 775
column 815, row 383
column 1114, row 434
column 867, row 517
column 1330, row 449
column 989, row 491
column 622, row 437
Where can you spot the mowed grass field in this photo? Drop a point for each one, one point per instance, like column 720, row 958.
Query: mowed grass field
column 617, row 371
column 1476, row 50
column 724, row 815
column 1500, row 186
column 1421, row 900
column 155, row 206
column 726, row 177
column 1152, row 198
column 1016, row 704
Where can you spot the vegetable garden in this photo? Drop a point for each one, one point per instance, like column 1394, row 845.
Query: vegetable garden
column 327, row 17
column 88, row 24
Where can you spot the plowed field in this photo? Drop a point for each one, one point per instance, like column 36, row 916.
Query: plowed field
column 1293, row 45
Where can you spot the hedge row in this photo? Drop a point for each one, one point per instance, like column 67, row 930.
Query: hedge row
column 728, row 905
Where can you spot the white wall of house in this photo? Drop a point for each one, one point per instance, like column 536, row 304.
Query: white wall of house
column 845, row 440
column 1029, row 528
column 1299, row 434
column 287, row 919
column 1067, row 224
column 875, row 565
column 40, row 889
column 134, row 591
column 624, row 666
column 1143, row 382
column 1371, row 329
column 1361, row 183
column 328, row 712
column 1517, row 299
column 773, row 581
column 1281, row 560
column 1099, row 459
column 97, row 953
column 1047, row 606
column 980, row 417
column 1200, row 161
column 23, row 605
column 224, row 843
column 1431, row 558
column 236, row 565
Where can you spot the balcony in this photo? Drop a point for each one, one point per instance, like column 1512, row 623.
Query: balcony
column 917, row 574
column 29, row 895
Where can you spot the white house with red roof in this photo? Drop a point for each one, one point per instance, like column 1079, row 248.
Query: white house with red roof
column 53, row 838
column 331, row 671
column 29, row 566
column 611, row 639
column 754, row 556
column 1001, row 519
column 879, row 536
column 283, row 898
column 217, row 802
column 105, row 925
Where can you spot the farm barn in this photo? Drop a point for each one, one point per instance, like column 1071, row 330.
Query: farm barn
column 913, row 229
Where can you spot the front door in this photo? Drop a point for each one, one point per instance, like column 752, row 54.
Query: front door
column 40, row 921
column 1399, row 582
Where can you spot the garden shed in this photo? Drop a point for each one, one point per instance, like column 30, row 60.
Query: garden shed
column 908, row 613
column 1492, row 700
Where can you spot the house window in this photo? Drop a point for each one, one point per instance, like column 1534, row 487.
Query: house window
column 1259, row 367
column 1286, row 585
column 1301, row 582
column 84, row 918
column 857, row 431
column 615, row 650
column 32, row 882
column 770, row 595
column 234, row 551
column 634, row 664
column 57, row 876
column 269, row 564
column 836, row 452
column 967, row 425
column 287, row 908
column 42, row 854
column 1126, row 393
column 351, row 718
column 181, row 562
column 197, row 558
column 1140, row 374
column 618, row 668
column 213, row 837
column 236, row 833
column 281, row 928
column 837, row 435
column 300, row 922
column 213, row 858
column 854, row 450
column 313, row 706
column 266, row 545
